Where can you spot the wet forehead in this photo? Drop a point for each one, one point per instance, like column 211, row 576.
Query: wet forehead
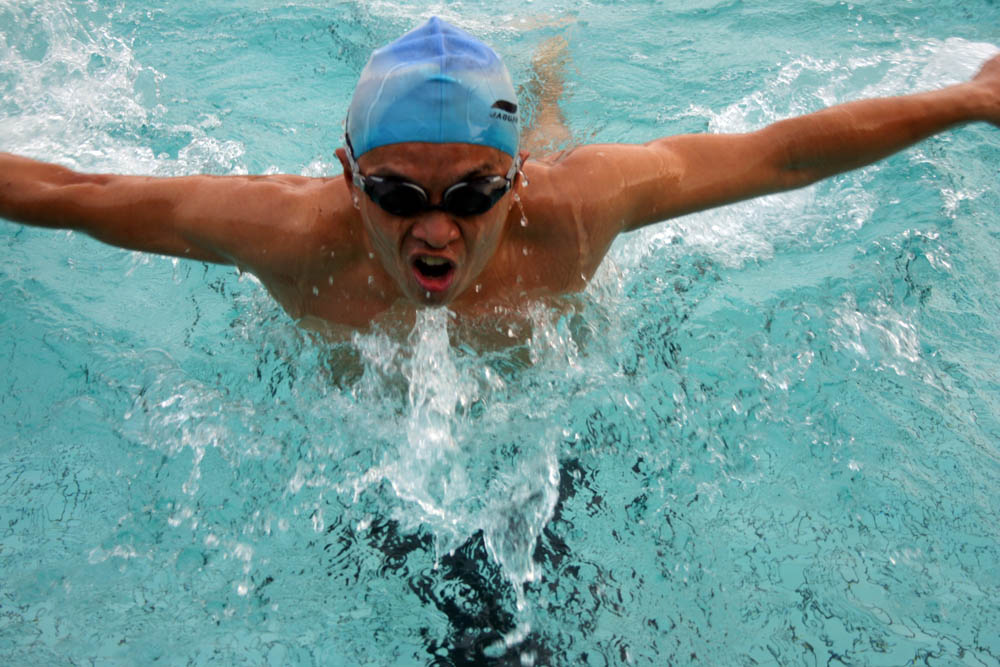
column 432, row 163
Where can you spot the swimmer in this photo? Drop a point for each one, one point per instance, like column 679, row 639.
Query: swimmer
column 433, row 207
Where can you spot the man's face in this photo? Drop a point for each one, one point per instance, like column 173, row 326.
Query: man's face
column 434, row 256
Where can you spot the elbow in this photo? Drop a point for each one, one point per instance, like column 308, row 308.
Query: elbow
column 795, row 177
column 782, row 162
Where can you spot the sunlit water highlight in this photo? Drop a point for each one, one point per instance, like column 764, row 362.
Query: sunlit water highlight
column 767, row 433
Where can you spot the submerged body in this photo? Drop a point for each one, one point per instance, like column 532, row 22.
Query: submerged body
column 337, row 260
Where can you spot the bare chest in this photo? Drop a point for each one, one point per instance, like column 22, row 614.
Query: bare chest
column 362, row 295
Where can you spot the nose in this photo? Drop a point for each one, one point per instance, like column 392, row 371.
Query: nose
column 436, row 229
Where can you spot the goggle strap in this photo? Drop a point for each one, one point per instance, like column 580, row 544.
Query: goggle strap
column 356, row 176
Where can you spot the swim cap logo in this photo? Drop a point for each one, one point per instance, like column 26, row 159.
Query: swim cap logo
column 504, row 111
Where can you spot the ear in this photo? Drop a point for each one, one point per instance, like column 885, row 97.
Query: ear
column 348, row 173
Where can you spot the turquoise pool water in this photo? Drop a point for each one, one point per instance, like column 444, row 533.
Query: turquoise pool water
column 767, row 434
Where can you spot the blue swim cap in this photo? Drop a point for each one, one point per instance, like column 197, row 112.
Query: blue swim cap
column 436, row 84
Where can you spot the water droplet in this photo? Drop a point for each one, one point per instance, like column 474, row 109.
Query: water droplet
column 479, row 288
column 524, row 251
column 524, row 177
column 329, row 279
column 333, row 254
column 524, row 220
column 427, row 294
column 371, row 280
column 315, row 291
column 519, row 279
column 371, row 255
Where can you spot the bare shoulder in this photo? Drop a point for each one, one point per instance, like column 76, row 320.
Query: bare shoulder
column 598, row 191
column 607, row 179
column 256, row 199
column 577, row 202
column 265, row 222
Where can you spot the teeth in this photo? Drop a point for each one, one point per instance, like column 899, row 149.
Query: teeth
column 433, row 261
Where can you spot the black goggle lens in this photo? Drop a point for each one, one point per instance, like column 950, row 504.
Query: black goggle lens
column 397, row 198
column 405, row 199
column 467, row 199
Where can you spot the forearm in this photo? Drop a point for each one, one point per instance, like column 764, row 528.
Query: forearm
column 33, row 192
column 847, row 136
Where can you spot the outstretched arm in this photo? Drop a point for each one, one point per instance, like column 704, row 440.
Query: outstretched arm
column 210, row 218
column 128, row 211
column 799, row 151
column 621, row 188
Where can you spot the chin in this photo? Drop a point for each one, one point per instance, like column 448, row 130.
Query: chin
column 422, row 297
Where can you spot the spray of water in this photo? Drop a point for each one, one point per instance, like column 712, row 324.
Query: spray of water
column 459, row 472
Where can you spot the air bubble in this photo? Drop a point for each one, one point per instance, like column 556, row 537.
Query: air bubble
column 479, row 288
column 315, row 291
column 524, row 251
column 371, row 281
column 371, row 255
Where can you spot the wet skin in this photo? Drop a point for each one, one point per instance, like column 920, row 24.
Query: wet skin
column 435, row 258
column 335, row 260
column 360, row 265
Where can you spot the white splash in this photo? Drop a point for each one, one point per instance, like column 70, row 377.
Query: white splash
column 454, row 475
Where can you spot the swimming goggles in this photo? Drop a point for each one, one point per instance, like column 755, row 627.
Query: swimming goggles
column 405, row 199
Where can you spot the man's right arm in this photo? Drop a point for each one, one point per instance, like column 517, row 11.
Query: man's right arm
column 133, row 212
column 222, row 219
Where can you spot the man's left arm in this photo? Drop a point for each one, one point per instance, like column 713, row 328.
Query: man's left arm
column 624, row 187
column 800, row 151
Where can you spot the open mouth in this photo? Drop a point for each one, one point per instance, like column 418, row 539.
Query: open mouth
column 433, row 273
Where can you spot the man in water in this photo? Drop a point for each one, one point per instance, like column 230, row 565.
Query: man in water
column 432, row 208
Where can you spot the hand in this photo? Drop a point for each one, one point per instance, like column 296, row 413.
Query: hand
column 989, row 79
